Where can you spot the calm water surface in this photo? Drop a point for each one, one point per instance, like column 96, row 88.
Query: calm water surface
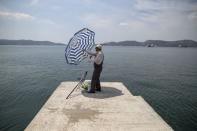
column 165, row 77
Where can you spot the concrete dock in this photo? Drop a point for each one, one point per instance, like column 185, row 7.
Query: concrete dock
column 112, row 109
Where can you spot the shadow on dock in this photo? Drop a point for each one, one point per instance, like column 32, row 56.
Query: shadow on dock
column 106, row 92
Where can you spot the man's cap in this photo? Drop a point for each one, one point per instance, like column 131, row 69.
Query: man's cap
column 99, row 46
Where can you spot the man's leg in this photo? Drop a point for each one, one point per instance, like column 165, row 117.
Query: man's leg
column 93, row 82
column 98, row 85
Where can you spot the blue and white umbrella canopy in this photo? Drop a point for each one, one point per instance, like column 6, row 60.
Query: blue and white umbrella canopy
column 82, row 40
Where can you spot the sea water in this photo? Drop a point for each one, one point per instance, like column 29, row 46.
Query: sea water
column 165, row 77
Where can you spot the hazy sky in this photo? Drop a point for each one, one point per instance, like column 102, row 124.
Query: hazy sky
column 111, row 20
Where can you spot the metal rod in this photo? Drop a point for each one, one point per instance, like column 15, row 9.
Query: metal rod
column 81, row 81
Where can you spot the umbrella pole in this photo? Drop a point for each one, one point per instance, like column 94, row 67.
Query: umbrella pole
column 80, row 82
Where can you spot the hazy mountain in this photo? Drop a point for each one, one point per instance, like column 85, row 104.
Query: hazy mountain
column 27, row 42
column 148, row 43
column 124, row 43
column 155, row 43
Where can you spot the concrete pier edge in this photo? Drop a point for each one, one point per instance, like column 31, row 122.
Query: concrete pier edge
column 112, row 109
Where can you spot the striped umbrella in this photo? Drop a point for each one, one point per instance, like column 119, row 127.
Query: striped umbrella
column 82, row 40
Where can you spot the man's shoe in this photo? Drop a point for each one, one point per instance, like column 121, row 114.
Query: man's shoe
column 98, row 89
column 91, row 91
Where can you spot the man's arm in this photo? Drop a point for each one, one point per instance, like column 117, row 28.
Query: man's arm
column 90, row 53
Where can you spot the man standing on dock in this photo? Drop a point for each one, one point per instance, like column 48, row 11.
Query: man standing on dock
column 98, row 65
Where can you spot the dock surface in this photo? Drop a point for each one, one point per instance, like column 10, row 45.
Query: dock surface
column 112, row 109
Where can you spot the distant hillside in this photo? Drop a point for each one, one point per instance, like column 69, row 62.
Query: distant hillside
column 155, row 43
column 148, row 43
column 124, row 43
column 28, row 42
